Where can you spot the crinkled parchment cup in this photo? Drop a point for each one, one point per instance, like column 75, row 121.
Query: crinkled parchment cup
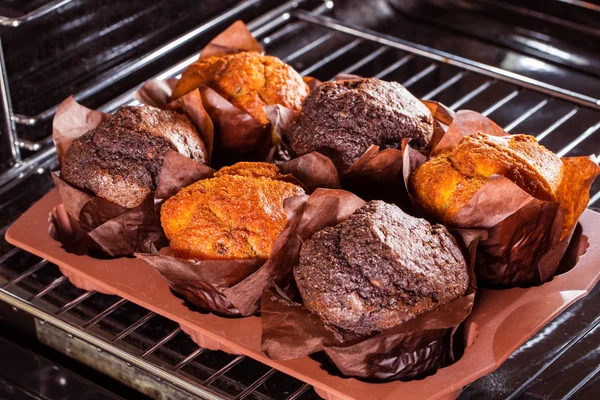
column 377, row 174
column 521, row 236
column 412, row 349
column 85, row 224
column 234, row 287
column 237, row 135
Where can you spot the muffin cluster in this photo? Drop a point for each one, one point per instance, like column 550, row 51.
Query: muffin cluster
column 229, row 235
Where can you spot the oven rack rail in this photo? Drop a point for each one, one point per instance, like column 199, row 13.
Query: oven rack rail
column 51, row 6
column 23, row 166
column 138, row 357
column 275, row 24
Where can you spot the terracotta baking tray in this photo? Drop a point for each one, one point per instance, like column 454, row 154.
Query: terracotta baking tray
column 501, row 321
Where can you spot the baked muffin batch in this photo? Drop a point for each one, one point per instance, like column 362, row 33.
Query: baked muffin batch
column 378, row 268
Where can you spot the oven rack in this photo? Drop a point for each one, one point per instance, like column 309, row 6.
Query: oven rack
column 346, row 40
column 32, row 15
column 50, row 307
column 25, row 165
column 283, row 15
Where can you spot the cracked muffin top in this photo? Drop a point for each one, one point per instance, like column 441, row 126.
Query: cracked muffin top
column 121, row 159
column 235, row 215
column 447, row 182
column 248, row 80
column 341, row 119
column 379, row 268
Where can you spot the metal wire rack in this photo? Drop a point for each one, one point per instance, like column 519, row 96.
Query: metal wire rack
column 564, row 121
column 120, row 329
column 43, row 148
column 32, row 15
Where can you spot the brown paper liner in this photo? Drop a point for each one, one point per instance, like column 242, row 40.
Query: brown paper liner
column 236, row 38
column 201, row 283
column 235, row 287
column 525, row 238
column 234, row 134
column 412, row 349
column 96, row 226
column 226, row 287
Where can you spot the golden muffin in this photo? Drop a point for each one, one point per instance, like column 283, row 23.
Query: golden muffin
column 445, row 183
column 248, row 80
column 235, row 215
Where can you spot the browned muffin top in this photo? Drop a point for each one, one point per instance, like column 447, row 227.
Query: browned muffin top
column 341, row 119
column 175, row 128
column 235, row 215
column 379, row 268
column 121, row 159
column 445, row 183
column 249, row 80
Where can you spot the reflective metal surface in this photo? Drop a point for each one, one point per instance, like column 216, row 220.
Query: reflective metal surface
column 33, row 14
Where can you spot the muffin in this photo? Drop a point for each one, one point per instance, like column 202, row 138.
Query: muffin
column 248, row 80
column 341, row 119
column 121, row 159
column 446, row 183
column 238, row 214
column 379, row 268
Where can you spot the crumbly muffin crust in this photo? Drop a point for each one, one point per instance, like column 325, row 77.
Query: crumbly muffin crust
column 341, row 119
column 379, row 268
column 121, row 159
column 235, row 215
column 446, row 183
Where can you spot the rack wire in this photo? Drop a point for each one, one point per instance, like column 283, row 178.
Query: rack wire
column 333, row 47
column 58, row 311
column 43, row 148
column 32, row 15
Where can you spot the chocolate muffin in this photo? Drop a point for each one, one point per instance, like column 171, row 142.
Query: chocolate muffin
column 379, row 268
column 237, row 214
column 121, row 159
column 341, row 119
column 248, row 80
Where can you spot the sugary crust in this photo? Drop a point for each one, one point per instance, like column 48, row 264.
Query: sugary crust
column 235, row 215
column 248, row 80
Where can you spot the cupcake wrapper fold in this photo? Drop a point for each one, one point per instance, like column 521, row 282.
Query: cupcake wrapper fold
column 234, row 287
column 201, row 283
column 229, row 133
column 523, row 244
column 98, row 227
column 377, row 174
column 412, row 349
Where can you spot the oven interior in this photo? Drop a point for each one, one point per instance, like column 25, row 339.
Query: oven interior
column 531, row 66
